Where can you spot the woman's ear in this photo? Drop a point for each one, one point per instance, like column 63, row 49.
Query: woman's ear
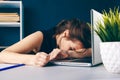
column 66, row 33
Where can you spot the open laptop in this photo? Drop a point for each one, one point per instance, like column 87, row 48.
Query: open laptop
column 95, row 40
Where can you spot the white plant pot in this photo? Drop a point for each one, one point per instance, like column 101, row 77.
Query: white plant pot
column 110, row 54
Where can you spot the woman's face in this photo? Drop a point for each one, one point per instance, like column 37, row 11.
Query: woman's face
column 67, row 44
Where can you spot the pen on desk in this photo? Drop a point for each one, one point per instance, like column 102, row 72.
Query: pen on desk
column 12, row 66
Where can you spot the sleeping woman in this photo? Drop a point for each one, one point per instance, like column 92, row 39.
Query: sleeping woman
column 69, row 38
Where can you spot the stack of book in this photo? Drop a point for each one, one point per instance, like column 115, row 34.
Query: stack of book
column 9, row 17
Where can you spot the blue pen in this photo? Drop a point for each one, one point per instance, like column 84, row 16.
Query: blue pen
column 12, row 66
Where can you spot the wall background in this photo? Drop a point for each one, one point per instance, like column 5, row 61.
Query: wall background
column 44, row 14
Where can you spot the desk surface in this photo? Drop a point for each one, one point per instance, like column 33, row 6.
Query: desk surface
column 58, row 73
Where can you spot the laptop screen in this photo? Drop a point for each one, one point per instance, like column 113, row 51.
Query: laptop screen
column 96, row 57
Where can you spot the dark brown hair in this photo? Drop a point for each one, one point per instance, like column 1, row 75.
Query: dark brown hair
column 77, row 30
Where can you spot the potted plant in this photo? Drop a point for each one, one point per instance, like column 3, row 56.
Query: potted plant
column 109, row 33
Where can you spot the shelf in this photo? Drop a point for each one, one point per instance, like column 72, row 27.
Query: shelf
column 3, row 47
column 10, row 4
column 11, row 32
column 9, row 24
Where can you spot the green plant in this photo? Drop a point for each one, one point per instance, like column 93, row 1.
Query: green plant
column 109, row 30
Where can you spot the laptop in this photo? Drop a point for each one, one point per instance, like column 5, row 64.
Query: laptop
column 95, row 40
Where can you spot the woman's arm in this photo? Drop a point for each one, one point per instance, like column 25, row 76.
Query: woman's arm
column 33, row 41
column 61, row 54
column 17, row 53
column 82, row 53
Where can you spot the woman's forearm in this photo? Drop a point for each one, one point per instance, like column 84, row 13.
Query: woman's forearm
column 11, row 57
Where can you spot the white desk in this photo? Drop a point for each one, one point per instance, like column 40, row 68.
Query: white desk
column 58, row 73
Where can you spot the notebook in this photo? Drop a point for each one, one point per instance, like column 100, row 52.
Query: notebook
column 95, row 40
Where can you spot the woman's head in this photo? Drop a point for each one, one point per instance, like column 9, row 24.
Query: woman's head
column 73, row 34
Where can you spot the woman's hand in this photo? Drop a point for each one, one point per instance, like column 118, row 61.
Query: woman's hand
column 81, row 53
column 58, row 54
column 40, row 59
